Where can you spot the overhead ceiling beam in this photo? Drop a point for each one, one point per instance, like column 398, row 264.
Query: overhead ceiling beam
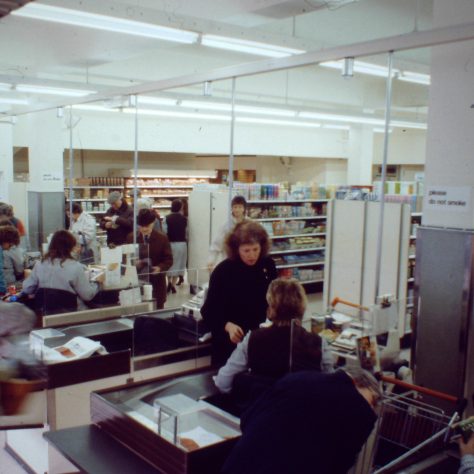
column 415, row 40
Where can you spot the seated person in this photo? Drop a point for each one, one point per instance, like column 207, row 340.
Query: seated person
column 58, row 270
column 276, row 350
column 13, row 257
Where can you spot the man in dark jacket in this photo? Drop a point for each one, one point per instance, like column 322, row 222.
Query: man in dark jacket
column 307, row 423
column 118, row 220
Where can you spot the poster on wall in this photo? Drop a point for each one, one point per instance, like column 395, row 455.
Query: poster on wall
column 448, row 198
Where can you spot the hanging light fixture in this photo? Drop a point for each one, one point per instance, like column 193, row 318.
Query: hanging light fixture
column 348, row 68
column 207, row 89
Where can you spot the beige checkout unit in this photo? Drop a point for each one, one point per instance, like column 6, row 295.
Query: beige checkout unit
column 65, row 402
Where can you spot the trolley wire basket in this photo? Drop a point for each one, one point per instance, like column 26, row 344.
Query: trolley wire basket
column 408, row 428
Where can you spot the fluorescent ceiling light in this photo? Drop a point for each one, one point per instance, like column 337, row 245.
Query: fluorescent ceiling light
column 381, row 71
column 148, row 100
column 7, row 100
column 170, row 113
column 94, row 108
column 415, row 77
column 250, row 47
column 68, row 16
column 220, row 106
column 361, row 67
column 405, row 124
column 362, row 120
column 286, row 123
column 382, row 130
column 336, row 127
column 34, row 89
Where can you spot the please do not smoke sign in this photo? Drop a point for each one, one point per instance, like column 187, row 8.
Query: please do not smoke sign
column 448, row 198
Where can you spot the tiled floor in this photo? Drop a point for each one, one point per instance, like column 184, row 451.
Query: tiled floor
column 8, row 464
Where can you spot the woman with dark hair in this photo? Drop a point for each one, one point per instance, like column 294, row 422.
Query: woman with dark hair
column 284, row 347
column 236, row 300
column 176, row 229
column 60, row 271
column 155, row 257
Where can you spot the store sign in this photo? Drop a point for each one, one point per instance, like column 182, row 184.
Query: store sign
column 448, row 198
column 52, row 177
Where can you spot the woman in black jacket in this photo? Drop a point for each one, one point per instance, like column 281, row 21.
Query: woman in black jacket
column 236, row 300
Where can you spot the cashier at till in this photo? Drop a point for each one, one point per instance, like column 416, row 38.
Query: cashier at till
column 60, row 271
column 236, row 300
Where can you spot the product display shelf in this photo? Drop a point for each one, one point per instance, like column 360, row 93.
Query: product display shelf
column 415, row 221
column 298, row 229
column 294, row 218
column 299, row 264
column 163, row 189
column 274, row 252
column 285, row 201
column 286, row 236
column 161, row 186
column 93, row 196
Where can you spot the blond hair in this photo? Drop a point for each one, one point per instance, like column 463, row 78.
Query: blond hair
column 286, row 300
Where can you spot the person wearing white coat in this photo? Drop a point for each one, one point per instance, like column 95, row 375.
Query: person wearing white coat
column 84, row 228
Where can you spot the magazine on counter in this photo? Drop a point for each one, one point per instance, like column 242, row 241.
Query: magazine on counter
column 77, row 348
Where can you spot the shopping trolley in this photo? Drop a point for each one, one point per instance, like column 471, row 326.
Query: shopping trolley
column 408, row 428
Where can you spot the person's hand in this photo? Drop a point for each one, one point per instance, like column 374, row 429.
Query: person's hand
column 27, row 272
column 108, row 224
column 107, row 218
column 235, row 332
column 466, row 448
column 100, row 278
column 155, row 269
column 210, row 267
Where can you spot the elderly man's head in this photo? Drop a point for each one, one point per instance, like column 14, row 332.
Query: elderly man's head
column 115, row 199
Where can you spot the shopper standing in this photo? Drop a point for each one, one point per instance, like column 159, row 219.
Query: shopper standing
column 155, row 256
column 217, row 249
column 236, row 300
column 176, row 229
column 118, row 220
column 83, row 227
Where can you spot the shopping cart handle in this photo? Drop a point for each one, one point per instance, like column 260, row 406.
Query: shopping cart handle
column 337, row 300
column 424, row 390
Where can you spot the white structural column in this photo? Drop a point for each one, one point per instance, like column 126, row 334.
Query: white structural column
column 449, row 172
column 46, row 140
column 360, row 154
column 6, row 160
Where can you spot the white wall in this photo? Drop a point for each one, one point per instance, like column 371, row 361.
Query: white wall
column 449, row 162
column 405, row 147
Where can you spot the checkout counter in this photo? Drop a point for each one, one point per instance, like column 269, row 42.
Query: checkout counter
column 65, row 403
column 170, row 422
